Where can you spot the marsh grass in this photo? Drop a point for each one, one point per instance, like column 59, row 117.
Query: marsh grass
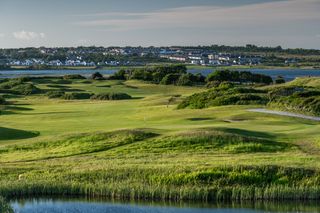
column 4, row 206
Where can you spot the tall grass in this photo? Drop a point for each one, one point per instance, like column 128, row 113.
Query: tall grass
column 4, row 206
column 161, row 192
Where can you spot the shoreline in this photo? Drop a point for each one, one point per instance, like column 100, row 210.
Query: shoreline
column 195, row 67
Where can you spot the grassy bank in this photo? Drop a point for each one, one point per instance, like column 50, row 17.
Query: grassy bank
column 145, row 148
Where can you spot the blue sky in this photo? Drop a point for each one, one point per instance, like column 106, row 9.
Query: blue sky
column 289, row 23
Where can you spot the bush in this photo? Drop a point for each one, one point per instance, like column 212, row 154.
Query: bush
column 75, row 76
column 77, row 96
column 213, row 84
column 10, row 83
column 18, row 86
column 97, row 76
column 307, row 102
column 154, row 74
column 280, row 80
column 120, row 75
column 170, row 79
column 25, row 89
column 239, row 77
column 185, row 80
column 63, row 81
column 284, row 91
column 55, row 94
column 111, row 96
column 2, row 100
column 225, row 94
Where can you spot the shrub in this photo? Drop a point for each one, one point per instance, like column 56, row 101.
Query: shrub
column 74, row 76
column 97, row 76
column 225, row 94
column 25, row 89
column 280, row 80
column 154, row 74
column 296, row 103
column 212, row 84
column 2, row 100
column 284, row 91
column 185, row 80
column 239, row 77
column 111, row 96
column 55, row 94
column 170, row 79
column 63, row 81
column 10, row 83
column 77, row 96
column 120, row 75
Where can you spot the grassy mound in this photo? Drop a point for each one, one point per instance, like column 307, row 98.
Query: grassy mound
column 55, row 94
column 15, row 134
column 77, row 96
column 210, row 140
column 75, row 76
column 224, row 95
column 296, row 99
column 111, row 96
column 19, row 86
column 306, row 82
column 74, row 145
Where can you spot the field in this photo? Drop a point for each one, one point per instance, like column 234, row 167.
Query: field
column 145, row 148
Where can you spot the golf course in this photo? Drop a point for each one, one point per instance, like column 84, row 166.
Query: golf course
column 139, row 140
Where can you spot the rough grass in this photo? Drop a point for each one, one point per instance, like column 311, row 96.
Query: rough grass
column 73, row 145
column 208, row 140
column 102, row 148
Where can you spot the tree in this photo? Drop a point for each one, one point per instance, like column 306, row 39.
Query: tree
column 97, row 76
column 280, row 80
column 185, row 80
column 170, row 79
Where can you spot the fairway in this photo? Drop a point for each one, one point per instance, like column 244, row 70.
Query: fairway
column 145, row 147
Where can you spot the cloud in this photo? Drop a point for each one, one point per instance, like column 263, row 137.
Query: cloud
column 27, row 36
column 255, row 15
column 2, row 35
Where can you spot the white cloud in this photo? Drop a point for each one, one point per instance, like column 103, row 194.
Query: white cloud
column 256, row 15
column 2, row 35
column 27, row 36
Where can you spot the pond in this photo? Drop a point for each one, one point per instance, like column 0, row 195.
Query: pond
column 39, row 73
column 288, row 74
column 86, row 206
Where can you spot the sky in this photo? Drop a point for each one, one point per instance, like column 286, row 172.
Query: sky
column 57, row 23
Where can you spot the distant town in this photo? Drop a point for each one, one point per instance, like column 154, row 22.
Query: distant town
column 138, row 56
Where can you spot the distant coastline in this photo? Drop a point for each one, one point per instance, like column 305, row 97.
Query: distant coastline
column 15, row 68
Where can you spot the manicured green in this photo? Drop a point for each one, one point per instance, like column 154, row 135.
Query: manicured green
column 146, row 148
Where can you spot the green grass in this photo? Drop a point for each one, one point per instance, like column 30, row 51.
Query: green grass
column 144, row 148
